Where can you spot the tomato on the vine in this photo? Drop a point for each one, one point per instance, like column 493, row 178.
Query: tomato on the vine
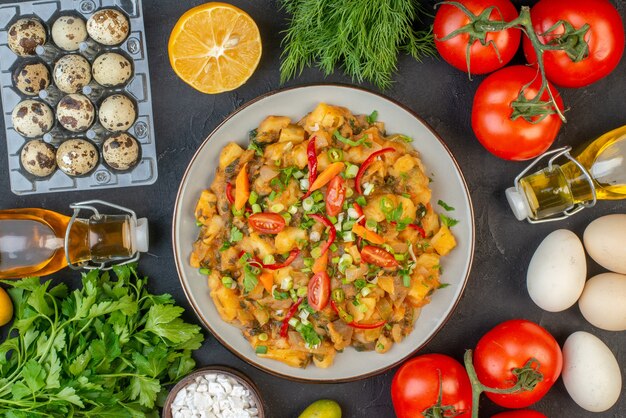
column 520, row 414
column 512, row 345
column 417, row 384
column 483, row 56
column 513, row 139
column 604, row 37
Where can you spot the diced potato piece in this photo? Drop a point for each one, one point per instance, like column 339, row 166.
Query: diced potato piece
column 226, row 300
column 430, row 222
column 386, row 283
column 292, row 133
column 398, row 313
column 230, row 153
column 278, row 151
column 273, row 124
column 373, row 209
column 194, row 260
column 402, row 165
column 287, row 239
column 253, row 243
column 261, row 315
column 428, row 260
column 298, row 156
column 213, row 228
column 359, row 316
column 421, row 288
column 325, row 117
column 383, row 344
column 443, row 241
column 206, row 207
column 353, row 250
column 324, row 361
column 292, row 358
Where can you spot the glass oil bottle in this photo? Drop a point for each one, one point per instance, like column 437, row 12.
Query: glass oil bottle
column 598, row 172
column 38, row 242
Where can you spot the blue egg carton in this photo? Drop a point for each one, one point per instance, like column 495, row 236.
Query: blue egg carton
column 137, row 88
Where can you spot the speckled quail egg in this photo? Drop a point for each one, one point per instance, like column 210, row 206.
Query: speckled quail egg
column 75, row 112
column 38, row 158
column 77, row 157
column 32, row 118
column 117, row 113
column 121, row 151
column 111, row 69
column 108, row 27
column 71, row 73
column 30, row 79
column 25, row 35
column 68, row 32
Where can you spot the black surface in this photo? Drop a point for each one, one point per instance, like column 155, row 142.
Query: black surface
column 442, row 96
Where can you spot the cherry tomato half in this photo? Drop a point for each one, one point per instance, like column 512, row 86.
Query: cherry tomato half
column 267, row 223
column 511, row 345
column 415, row 387
column 335, row 195
column 319, row 291
column 491, row 115
column 483, row 59
column 378, row 256
column 605, row 39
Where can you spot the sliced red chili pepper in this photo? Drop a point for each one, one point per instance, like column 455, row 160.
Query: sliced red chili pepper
column 229, row 193
column 418, row 229
column 359, row 212
column 292, row 311
column 367, row 163
column 311, row 154
column 415, row 227
column 275, row 266
column 357, row 325
column 332, row 232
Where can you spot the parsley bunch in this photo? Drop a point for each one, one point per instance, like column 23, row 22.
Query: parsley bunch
column 104, row 350
column 363, row 37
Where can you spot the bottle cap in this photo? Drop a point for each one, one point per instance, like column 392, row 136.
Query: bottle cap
column 518, row 203
column 142, row 235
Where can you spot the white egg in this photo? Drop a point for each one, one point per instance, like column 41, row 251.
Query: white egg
column 556, row 273
column 591, row 373
column 605, row 241
column 603, row 302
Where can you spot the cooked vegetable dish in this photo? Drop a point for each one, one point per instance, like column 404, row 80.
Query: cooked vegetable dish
column 321, row 236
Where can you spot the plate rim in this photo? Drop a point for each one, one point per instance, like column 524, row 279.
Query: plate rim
column 177, row 258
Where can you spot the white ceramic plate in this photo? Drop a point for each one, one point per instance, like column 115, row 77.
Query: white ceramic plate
column 448, row 185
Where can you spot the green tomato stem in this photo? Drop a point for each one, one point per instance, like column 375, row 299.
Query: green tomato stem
column 527, row 378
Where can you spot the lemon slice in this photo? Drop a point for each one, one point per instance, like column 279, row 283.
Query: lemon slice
column 215, row 47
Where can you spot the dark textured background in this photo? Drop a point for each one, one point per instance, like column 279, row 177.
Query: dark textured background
column 442, row 96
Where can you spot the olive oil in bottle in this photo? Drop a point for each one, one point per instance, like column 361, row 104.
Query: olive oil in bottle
column 598, row 172
column 38, row 242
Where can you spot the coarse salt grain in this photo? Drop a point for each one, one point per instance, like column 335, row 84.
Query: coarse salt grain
column 214, row 395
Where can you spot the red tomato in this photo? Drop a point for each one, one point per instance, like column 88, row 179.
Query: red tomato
column 491, row 115
column 510, row 345
column 267, row 223
column 378, row 256
column 483, row 59
column 415, row 387
column 335, row 194
column 319, row 291
column 520, row 414
column 605, row 39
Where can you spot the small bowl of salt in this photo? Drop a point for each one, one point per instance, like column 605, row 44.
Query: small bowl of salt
column 214, row 392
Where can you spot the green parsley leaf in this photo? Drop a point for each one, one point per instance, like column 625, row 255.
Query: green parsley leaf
column 372, row 117
column 311, row 338
column 351, row 142
column 447, row 221
column 235, row 234
column 445, row 205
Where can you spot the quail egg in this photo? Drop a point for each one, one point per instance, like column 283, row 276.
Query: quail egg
column 30, row 79
column 72, row 73
column 25, row 35
column 117, row 113
column 77, row 157
column 75, row 112
column 32, row 118
column 121, row 151
column 108, row 27
column 111, row 69
column 38, row 158
column 68, row 32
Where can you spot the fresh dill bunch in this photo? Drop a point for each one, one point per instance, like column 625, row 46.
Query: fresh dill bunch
column 363, row 37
